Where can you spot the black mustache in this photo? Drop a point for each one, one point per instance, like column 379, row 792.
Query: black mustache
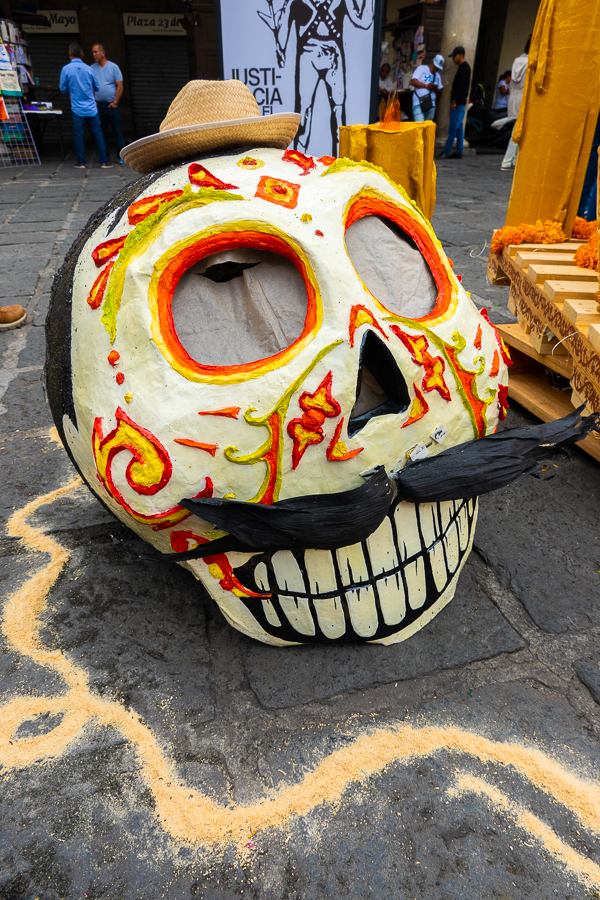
column 484, row 465
column 330, row 521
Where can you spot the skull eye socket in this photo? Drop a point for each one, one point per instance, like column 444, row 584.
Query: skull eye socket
column 238, row 306
column 220, row 332
column 392, row 267
column 396, row 259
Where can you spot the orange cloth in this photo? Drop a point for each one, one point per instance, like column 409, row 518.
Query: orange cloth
column 404, row 151
column 558, row 115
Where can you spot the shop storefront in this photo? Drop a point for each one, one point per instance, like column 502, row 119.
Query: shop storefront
column 157, row 49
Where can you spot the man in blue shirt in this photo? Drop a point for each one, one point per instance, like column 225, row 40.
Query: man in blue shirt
column 78, row 80
column 109, row 77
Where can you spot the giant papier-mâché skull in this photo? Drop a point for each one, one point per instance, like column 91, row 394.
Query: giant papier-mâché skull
column 261, row 326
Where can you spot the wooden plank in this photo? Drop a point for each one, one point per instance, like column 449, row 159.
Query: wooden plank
column 559, row 291
column 540, row 273
column 594, row 336
column 524, row 259
column 523, row 323
column 516, row 338
column 547, row 343
column 565, row 247
column 540, row 313
column 577, row 400
column 533, row 391
column 582, row 312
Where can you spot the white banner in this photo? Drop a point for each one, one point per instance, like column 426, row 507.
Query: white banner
column 309, row 56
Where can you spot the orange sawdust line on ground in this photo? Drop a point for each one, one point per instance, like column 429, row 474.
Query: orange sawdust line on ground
column 579, row 865
column 186, row 813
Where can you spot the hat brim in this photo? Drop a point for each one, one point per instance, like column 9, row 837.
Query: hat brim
column 156, row 150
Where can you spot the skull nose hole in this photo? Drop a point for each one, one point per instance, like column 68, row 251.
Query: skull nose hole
column 380, row 389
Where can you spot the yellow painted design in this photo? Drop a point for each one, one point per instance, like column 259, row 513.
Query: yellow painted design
column 189, row 815
column 268, row 450
column 416, row 409
column 146, row 472
column 128, row 397
column 229, row 496
column 339, row 451
column 250, row 162
column 460, row 344
column 269, row 365
column 306, row 217
column 363, row 318
column 216, row 571
column 143, row 235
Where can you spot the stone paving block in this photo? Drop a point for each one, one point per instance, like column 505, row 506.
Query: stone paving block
column 14, row 283
column 33, row 465
column 43, row 213
column 588, row 672
column 34, row 352
column 16, row 193
column 469, row 628
column 41, row 311
column 525, row 533
column 29, row 260
column 12, row 236
column 25, row 404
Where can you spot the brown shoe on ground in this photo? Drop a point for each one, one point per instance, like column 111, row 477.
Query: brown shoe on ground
column 12, row 317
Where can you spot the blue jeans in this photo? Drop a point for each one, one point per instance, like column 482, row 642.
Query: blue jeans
column 78, row 128
column 455, row 130
column 420, row 116
column 110, row 118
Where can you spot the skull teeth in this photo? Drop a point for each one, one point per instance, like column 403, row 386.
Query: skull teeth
column 368, row 590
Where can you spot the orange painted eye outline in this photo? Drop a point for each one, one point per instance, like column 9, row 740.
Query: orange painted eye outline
column 185, row 254
column 368, row 205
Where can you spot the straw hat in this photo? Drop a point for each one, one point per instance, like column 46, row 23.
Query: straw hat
column 209, row 115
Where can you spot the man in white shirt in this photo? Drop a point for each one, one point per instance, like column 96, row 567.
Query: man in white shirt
column 386, row 82
column 427, row 83
column 110, row 80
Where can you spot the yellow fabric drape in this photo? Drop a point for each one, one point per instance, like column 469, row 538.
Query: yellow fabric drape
column 404, row 152
column 558, row 114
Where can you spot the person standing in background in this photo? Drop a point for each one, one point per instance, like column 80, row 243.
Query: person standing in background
column 502, row 91
column 458, row 104
column 386, row 82
column 517, row 85
column 427, row 83
column 110, row 79
column 78, row 80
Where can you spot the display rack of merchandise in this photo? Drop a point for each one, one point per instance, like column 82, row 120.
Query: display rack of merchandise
column 17, row 147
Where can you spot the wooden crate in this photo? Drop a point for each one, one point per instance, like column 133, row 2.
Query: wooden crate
column 558, row 330
column 530, row 384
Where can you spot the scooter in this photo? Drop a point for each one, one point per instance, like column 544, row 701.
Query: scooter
column 487, row 128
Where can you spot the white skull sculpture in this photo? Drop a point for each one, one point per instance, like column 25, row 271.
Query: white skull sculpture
column 261, row 326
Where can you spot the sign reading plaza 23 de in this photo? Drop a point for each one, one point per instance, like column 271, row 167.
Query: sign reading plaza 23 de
column 314, row 57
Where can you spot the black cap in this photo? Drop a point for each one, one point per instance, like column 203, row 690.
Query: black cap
column 456, row 51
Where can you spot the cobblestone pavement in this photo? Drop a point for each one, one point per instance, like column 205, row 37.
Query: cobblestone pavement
column 456, row 765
